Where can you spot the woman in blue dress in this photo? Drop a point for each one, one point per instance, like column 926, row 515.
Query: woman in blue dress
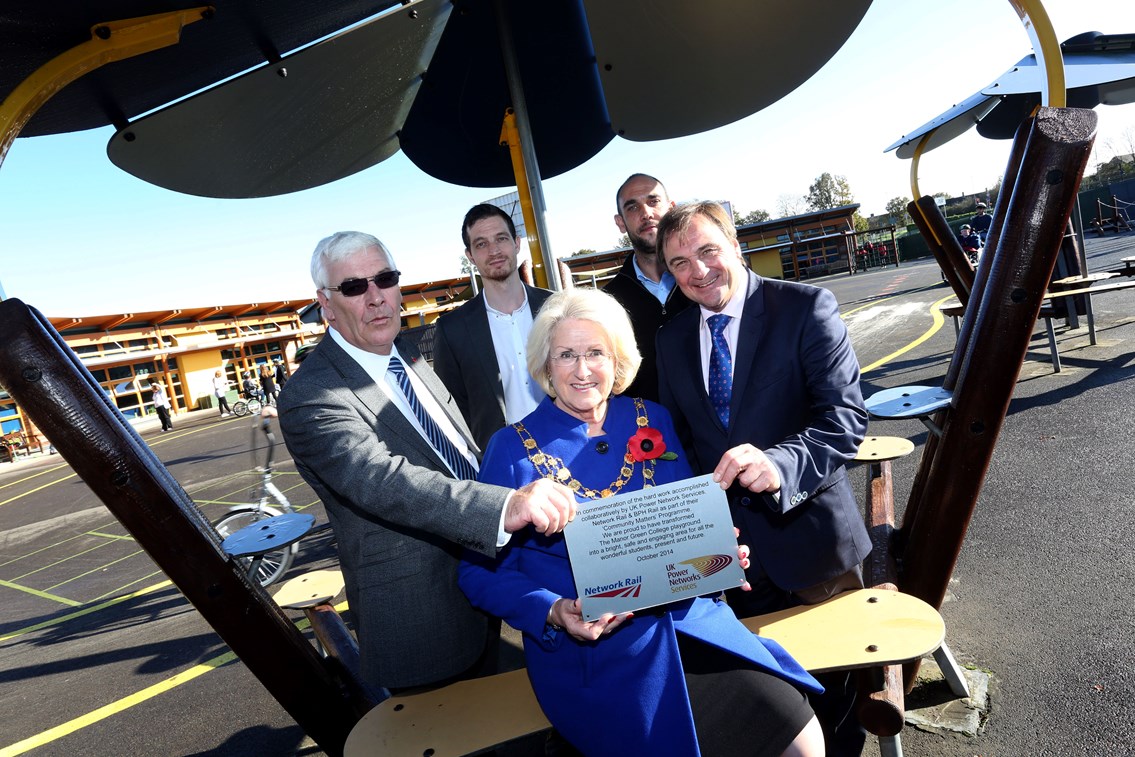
column 686, row 679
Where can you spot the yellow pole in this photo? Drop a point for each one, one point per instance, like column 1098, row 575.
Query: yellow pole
column 511, row 136
column 110, row 41
column 914, row 179
column 1048, row 56
column 918, row 150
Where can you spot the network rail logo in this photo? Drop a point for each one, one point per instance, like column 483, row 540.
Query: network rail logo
column 624, row 588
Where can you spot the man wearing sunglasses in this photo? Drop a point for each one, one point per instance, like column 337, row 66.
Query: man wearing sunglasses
column 479, row 349
column 375, row 434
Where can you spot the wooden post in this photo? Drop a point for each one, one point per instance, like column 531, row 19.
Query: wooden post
column 1003, row 320
column 947, row 250
column 961, row 345
column 880, row 706
column 54, row 389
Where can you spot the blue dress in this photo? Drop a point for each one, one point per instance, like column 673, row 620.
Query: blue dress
column 625, row 693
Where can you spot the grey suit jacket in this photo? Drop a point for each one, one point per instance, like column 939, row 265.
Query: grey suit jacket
column 400, row 517
column 466, row 363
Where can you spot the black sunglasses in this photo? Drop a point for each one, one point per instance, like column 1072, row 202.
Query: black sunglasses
column 355, row 287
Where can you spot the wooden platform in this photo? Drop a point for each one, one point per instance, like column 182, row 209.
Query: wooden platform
column 857, row 629
column 876, row 449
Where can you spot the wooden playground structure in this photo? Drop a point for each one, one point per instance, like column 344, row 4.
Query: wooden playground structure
column 1113, row 216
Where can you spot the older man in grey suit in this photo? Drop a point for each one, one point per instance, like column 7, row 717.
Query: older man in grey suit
column 480, row 348
column 378, row 438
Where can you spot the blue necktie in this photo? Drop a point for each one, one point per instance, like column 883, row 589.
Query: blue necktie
column 720, row 368
column 457, row 462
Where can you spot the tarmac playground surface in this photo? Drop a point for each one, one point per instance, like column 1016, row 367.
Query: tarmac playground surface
column 100, row 655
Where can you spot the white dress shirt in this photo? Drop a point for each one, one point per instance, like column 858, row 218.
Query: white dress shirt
column 510, row 339
column 734, row 309
column 377, row 366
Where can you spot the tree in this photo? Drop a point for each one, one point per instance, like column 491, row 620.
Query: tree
column 829, row 191
column 466, row 266
column 790, row 205
column 896, row 209
column 753, row 216
column 584, row 251
column 1116, row 169
column 623, row 241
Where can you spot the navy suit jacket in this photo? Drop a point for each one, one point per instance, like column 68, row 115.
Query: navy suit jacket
column 795, row 396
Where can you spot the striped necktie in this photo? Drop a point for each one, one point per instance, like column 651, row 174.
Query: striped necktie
column 720, row 368
column 457, row 462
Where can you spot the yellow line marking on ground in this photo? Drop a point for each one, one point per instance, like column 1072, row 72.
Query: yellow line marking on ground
column 121, row 705
column 41, row 549
column 60, row 561
column 125, row 586
column 126, row 537
column 85, row 611
column 38, row 488
column 939, row 321
column 94, row 716
column 40, row 594
column 34, row 475
column 99, row 568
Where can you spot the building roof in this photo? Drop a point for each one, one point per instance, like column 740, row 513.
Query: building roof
column 175, row 317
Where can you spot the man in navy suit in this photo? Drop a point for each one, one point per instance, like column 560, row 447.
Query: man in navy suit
column 774, row 416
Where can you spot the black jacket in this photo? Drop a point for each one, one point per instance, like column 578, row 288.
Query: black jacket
column 647, row 315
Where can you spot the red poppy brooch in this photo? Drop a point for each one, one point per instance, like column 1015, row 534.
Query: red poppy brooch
column 647, row 444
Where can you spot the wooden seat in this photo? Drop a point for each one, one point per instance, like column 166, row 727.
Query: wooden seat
column 314, row 592
column 313, row 588
column 875, row 627
column 1075, row 281
column 14, row 444
column 877, row 449
column 957, row 311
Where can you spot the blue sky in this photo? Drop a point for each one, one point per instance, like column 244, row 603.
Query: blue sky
column 80, row 237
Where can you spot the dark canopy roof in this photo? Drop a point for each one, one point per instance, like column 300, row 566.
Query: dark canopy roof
column 591, row 69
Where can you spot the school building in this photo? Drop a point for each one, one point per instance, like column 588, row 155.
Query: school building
column 795, row 248
column 183, row 348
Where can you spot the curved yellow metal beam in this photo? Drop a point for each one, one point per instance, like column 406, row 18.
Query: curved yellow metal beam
column 914, row 160
column 1047, row 49
column 110, row 41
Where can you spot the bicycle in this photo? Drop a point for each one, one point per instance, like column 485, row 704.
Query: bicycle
column 273, row 564
column 242, row 408
column 267, row 502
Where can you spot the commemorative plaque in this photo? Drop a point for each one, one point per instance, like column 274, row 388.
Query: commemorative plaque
column 652, row 547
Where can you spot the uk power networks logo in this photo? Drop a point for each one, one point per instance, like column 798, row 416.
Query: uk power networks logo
column 709, row 564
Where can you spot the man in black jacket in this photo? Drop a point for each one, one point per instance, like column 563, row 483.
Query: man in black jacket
column 642, row 286
column 479, row 348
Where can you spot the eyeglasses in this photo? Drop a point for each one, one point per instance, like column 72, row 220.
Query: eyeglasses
column 593, row 358
column 355, row 287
